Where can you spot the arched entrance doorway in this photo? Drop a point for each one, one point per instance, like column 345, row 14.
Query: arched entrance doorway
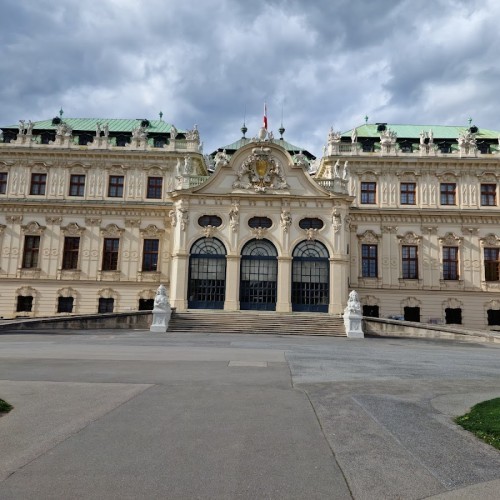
column 207, row 274
column 310, row 277
column 258, row 276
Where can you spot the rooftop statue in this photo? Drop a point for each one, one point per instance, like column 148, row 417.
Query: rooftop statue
column 173, row 132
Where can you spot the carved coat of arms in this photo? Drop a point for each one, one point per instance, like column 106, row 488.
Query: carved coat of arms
column 260, row 172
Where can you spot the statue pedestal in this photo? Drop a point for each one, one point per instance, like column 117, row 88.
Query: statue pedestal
column 353, row 325
column 161, row 318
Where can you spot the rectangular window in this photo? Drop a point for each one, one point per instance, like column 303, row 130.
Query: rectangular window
column 150, row 255
column 110, row 254
column 106, row 305
column 154, row 187
column 407, row 193
column 38, row 183
column 369, row 261
column 410, row 262
column 368, row 192
column 24, row 304
column 450, row 263
column 31, row 250
column 3, row 182
column 65, row 304
column 488, row 195
column 77, row 185
column 448, row 193
column 491, row 264
column 70, row 252
column 115, row 188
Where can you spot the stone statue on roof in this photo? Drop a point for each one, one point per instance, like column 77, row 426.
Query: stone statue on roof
column 354, row 135
column 98, row 129
column 301, row 159
column 29, row 129
column 221, row 158
column 21, row 127
column 105, row 129
column 173, row 132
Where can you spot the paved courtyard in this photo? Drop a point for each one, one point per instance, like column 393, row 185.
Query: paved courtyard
column 132, row 415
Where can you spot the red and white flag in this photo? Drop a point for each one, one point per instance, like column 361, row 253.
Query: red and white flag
column 265, row 116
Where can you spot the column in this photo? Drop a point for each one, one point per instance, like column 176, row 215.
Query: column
column 284, row 284
column 232, row 302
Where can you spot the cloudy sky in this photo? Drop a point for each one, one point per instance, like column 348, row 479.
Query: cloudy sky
column 321, row 62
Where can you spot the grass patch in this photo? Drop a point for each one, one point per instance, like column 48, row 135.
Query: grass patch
column 5, row 407
column 483, row 421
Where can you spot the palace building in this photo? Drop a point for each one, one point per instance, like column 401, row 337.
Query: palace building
column 96, row 213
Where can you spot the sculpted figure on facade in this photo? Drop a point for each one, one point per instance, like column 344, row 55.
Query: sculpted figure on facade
column 301, row 159
column 173, row 132
column 467, row 142
column 221, row 159
column 105, row 130
column 354, row 136
column 285, row 220
column 345, row 172
column 21, row 127
column 193, row 135
column 173, row 217
column 234, row 217
column 336, row 170
column 188, row 166
column 336, row 220
column 183, row 216
column 98, row 129
column 29, row 128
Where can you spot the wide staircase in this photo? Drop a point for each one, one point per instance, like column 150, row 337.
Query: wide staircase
column 215, row 321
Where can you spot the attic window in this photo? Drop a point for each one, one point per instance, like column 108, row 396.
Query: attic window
column 209, row 220
column 311, row 223
column 263, row 222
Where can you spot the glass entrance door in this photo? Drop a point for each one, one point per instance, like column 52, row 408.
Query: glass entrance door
column 310, row 277
column 258, row 276
column 207, row 275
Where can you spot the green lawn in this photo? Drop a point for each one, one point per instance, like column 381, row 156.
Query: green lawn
column 484, row 421
column 5, row 407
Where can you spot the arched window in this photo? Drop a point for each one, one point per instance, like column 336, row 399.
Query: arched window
column 258, row 276
column 310, row 277
column 207, row 274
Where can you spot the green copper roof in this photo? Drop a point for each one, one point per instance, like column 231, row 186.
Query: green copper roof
column 114, row 124
column 291, row 148
column 413, row 131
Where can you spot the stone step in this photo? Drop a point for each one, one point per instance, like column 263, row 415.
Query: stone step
column 213, row 321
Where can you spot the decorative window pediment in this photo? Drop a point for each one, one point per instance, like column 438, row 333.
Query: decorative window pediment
column 72, row 229
column 152, row 231
column 26, row 291
column 369, row 176
column 112, row 231
column 452, row 304
column 107, row 293
column 450, row 240
column 67, row 292
column 369, row 237
column 447, row 177
column 487, row 177
column 410, row 238
column 490, row 240
column 410, row 302
column 33, row 228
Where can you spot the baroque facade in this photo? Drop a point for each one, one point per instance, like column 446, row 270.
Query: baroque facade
column 95, row 214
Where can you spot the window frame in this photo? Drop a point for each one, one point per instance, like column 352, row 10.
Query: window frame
column 116, row 184
column 491, row 266
column 450, row 263
column 4, row 177
column 154, row 192
column 77, row 185
column 38, row 184
column 70, row 253
column 368, row 193
column 370, row 270
column 448, row 193
column 31, row 251
column 486, row 194
column 150, row 256
column 407, row 260
column 110, row 254
column 405, row 195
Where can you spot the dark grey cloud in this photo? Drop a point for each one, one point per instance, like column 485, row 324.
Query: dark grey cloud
column 324, row 63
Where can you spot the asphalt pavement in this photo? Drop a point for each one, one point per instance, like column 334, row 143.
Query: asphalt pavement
column 132, row 415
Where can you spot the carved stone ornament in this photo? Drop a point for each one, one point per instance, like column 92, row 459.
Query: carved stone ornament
column 311, row 234
column 234, row 216
column 259, row 232
column 33, row 228
column 409, row 238
column 112, row 231
column 26, row 291
column 285, row 220
column 14, row 219
column 92, row 221
column 107, row 293
column 72, row 229
column 183, row 217
column 173, row 217
column 490, row 240
column 67, row 292
column 260, row 172
column 152, row 231
column 53, row 220
column 450, row 239
column 209, row 231
column 369, row 237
